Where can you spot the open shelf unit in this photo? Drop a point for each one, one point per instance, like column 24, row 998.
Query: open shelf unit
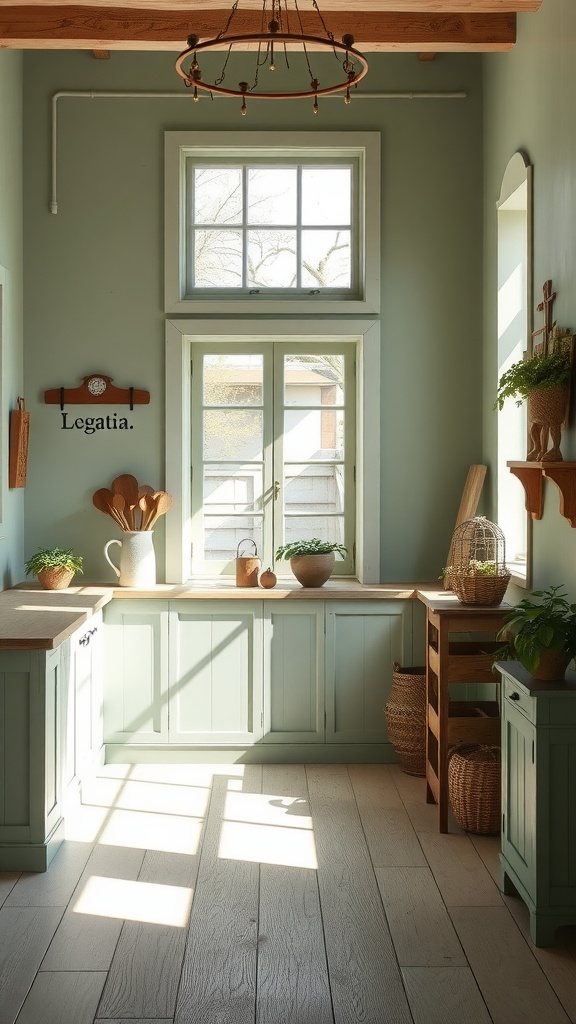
column 452, row 663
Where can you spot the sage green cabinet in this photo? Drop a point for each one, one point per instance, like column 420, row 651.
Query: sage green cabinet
column 136, row 672
column 215, row 672
column 538, row 854
column 82, row 698
column 294, row 672
column 284, row 676
column 363, row 640
column 31, row 729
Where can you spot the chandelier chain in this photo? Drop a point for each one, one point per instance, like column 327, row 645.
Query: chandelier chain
column 233, row 10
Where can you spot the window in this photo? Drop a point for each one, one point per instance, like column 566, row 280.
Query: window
column 273, row 448
column 514, row 212
column 272, row 222
column 271, row 435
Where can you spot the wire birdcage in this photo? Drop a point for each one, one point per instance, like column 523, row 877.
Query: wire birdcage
column 477, row 571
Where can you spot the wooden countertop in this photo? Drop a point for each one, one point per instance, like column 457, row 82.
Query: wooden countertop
column 35, row 619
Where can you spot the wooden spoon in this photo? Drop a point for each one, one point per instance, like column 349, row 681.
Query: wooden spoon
column 163, row 502
column 102, row 500
column 127, row 486
column 119, row 503
column 148, row 506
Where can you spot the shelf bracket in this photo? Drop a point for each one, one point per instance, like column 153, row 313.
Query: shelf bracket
column 531, row 476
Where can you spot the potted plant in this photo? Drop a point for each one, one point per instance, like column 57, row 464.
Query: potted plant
column 544, row 380
column 311, row 561
column 54, row 568
column 541, row 635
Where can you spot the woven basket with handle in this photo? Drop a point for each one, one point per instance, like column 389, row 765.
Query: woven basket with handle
column 405, row 712
column 474, row 788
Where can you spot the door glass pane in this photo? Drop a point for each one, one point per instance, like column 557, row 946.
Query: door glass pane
column 306, row 528
column 223, row 534
column 233, row 380
column 272, row 195
column 326, row 195
column 217, row 258
column 232, row 434
column 326, row 259
column 313, row 434
column 272, row 259
column 314, row 489
column 314, row 380
column 217, row 195
column 232, row 488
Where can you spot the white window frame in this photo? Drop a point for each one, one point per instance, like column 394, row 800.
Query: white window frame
column 363, row 146
column 181, row 334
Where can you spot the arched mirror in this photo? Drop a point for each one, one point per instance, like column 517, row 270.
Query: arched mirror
column 514, row 211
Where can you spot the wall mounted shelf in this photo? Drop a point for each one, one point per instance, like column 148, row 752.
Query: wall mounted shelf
column 531, row 476
column 96, row 389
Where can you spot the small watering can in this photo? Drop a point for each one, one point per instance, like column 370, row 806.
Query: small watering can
column 247, row 566
column 137, row 559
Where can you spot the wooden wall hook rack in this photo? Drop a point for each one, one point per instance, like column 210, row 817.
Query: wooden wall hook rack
column 96, row 389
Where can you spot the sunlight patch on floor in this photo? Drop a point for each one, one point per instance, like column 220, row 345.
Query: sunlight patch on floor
column 267, row 844
column 267, row 809
column 135, row 901
column 168, row 833
column 160, row 797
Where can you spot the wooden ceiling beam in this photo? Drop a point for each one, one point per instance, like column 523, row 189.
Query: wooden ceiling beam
column 98, row 28
column 413, row 6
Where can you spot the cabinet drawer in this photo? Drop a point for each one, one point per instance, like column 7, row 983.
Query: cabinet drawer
column 517, row 697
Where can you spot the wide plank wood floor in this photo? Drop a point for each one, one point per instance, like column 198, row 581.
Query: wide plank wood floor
column 274, row 894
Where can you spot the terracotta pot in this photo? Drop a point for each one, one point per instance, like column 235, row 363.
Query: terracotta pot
column 313, row 570
column 552, row 665
column 55, row 579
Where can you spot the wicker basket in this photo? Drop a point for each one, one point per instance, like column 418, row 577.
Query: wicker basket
column 479, row 589
column 405, row 712
column 57, row 578
column 477, row 570
column 474, row 788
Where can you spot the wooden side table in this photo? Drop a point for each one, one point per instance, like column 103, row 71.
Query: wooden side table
column 454, row 662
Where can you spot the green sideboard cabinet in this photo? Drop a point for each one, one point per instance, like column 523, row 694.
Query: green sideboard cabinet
column 50, row 736
column 296, row 680
column 538, row 852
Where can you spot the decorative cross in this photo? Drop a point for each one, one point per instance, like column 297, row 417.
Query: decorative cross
column 546, row 306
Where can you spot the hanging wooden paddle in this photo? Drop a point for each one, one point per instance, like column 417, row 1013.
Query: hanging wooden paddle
column 19, row 431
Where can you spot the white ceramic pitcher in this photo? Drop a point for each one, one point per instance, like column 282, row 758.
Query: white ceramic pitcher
column 137, row 559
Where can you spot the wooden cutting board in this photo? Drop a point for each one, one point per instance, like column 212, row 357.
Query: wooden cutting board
column 469, row 502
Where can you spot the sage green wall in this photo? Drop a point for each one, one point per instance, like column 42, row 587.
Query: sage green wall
column 94, row 284
column 529, row 105
column 12, row 505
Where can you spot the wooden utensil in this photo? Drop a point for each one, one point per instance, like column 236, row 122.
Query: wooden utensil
column 102, row 500
column 119, row 503
column 163, row 502
column 127, row 486
column 148, row 506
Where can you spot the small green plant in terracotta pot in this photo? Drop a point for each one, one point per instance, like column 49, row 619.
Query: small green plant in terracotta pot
column 541, row 635
column 54, row 567
column 311, row 561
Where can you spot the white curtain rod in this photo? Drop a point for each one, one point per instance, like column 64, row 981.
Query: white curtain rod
column 105, row 94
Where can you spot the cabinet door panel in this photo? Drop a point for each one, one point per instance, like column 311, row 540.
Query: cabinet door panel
column 362, row 642
column 136, row 672
column 215, row 672
column 294, row 672
column 14, row 745
column 518, row 803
